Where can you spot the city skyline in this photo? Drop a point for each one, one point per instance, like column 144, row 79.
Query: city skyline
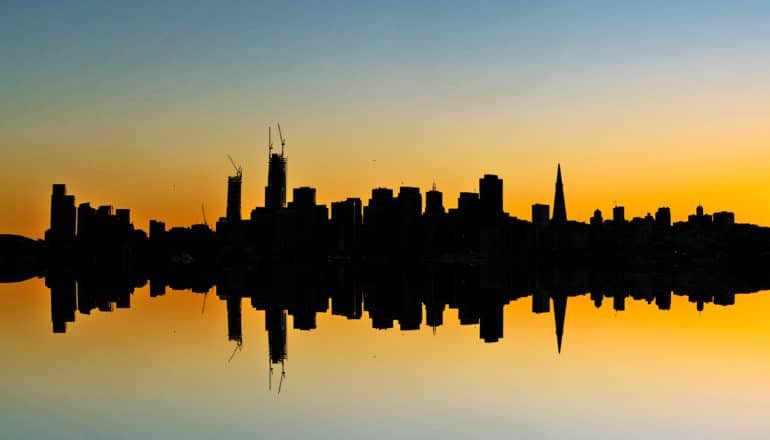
column 648, row 105
column 446, row 219
column 193, row 213
column 276, row 198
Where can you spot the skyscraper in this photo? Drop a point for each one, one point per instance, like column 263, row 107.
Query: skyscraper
column 275, row 191
column 559, row 207
column 491, row 195
column 234, row 198
column 63, row 216
column 540, row 214
column 619, row 215
column 434, row 202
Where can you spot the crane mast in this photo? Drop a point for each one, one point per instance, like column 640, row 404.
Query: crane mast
column 283, row 139
column 238, row 169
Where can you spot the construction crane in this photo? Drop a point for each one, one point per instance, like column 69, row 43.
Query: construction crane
column 203, row 210
column 238, row 169
column 283, row 139
column 269, row 142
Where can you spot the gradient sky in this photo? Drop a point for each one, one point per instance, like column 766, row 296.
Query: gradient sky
column 137, row 104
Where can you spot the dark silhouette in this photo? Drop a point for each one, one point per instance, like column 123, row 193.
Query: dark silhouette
column 393, row 293
column 559, row 205
column 275, row 191
column 293, row 258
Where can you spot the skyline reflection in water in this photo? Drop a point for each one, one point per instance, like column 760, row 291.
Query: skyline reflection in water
column 170, row 363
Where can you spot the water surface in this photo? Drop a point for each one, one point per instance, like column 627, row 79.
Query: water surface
column 165, row 368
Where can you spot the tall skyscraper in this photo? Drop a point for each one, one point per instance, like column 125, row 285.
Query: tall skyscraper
column 409, row 202
column 63, row 216
column 434, row 202
column 559, row 206
column 275, row 191
column 234, row 197
column 618, row 215
column 491, row 195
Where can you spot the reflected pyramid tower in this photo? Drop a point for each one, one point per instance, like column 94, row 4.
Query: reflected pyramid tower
column 559, row 312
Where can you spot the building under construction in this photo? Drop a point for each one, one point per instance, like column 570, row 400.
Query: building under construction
column 234, row 193
column 275, row 191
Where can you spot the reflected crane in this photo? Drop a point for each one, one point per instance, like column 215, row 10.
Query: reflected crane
column 283, row 376
column 237, row 348
column 269, row 374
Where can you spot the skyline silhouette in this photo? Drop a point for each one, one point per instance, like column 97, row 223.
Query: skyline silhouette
column 392, row 296
column 388, row 227
column 537, row 220
column 294, row 258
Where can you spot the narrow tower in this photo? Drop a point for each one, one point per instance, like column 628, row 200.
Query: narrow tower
column 559, row 207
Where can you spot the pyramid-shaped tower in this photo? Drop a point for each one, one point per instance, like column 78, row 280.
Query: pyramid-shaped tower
column 559, row 206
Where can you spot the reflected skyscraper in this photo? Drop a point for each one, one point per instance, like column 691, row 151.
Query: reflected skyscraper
column 234, row 332
column 559, row 314
column 275, row 324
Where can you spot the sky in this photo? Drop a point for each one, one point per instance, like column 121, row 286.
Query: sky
column 138, row 104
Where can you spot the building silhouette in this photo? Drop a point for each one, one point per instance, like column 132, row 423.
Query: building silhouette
column 391, row 258
column 619, row 215
column 559, row 205
column 434, row 202
column 62, row 229
column 540, row 215
column 234, row 198
column 491, row 196
column 275, row 191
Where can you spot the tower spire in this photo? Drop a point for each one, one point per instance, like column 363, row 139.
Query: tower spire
column 559, row 206
column 559, row 312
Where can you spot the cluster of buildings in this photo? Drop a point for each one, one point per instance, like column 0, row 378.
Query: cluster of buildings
column 405, row 251
column 392, row 296
column 395, row 225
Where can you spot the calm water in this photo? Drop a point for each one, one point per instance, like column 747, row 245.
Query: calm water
column 165, row 368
